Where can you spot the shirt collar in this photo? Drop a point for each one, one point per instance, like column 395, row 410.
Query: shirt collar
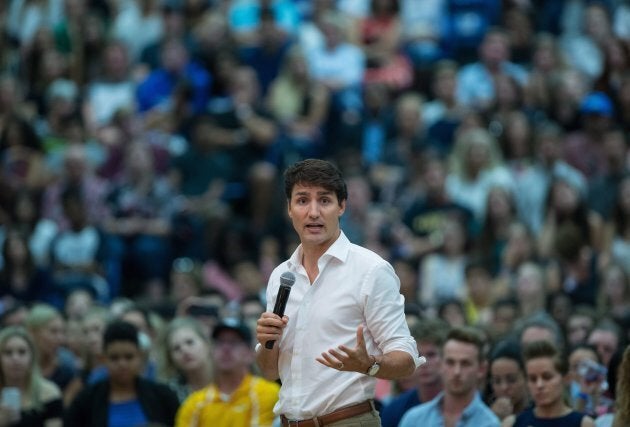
column 339, row 249
column 468, row 410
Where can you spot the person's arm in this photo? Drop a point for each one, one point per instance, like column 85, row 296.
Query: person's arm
column 269, row 327
column 587, row 422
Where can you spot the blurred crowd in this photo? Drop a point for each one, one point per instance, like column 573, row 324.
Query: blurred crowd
column 142, row 144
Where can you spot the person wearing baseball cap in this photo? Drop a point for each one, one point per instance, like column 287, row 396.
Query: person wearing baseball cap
column 236, row 397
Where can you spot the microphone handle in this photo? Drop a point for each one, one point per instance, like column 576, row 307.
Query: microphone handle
column 278, row 308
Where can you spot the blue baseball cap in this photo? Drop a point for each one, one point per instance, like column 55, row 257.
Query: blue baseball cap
column 597, row 103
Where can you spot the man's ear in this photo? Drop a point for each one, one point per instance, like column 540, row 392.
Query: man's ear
column 342, row 207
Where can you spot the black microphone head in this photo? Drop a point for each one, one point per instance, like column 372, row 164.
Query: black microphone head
column 287, row 279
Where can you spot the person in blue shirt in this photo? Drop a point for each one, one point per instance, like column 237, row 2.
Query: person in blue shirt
column 463, row 368
column 124, row 398
column 426, row 382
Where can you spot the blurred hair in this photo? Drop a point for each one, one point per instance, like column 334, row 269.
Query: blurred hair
column 430, row 330
column 40, row 315
column 546, row 349
column 469, row 335
column 120, row 331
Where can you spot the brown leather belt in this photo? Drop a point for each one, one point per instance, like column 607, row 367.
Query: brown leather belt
column 333, row 417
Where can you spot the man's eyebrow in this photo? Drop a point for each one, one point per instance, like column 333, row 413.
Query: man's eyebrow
column 319, row 193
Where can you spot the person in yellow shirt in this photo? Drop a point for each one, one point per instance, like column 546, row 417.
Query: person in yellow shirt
column 236, row 397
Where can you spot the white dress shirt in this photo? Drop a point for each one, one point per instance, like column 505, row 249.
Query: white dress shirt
column 355, row 286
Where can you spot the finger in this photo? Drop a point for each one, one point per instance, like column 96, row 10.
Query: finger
column 328, row 360
column 360, row 338
column 347, row 350
column 339, row 355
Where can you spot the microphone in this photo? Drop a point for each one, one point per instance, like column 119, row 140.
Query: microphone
column 287, row 279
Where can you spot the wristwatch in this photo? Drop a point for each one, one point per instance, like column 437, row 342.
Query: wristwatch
column 373, row 370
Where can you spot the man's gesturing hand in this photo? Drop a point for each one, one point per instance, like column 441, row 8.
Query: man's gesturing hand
column 349, row 359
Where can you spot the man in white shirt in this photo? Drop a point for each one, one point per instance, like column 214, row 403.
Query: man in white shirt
column 344, row 323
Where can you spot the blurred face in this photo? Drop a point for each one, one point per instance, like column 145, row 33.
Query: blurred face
column 606, row 343
column 494, row 49
column 50, row 336
column 545, row 383
column 429, row 373
column 445, row 84
column 477, row 156
column 17, row 359
column 434, row 177
column 453, row 315
column 461, row 369
column 565, row 197
column 315, row 212
column 578, row 328
column 93, row 331
column 479, row 285
column 508, row 380
column 528, row 283
column 231, row 353
column 615, row 285
column 454, row 237
column 124, row 362
column 188, row 350
column 503, row 319
column 16, row 249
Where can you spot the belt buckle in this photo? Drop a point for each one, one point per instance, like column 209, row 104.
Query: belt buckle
column 293, row 423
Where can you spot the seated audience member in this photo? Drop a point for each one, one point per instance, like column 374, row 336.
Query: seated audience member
column 76, row 252
column 607, row 338
column 546, row 374
column 93, row 325
column 235, row 398
column 38, row 400
column 505, row 312
column 426, row 382
column 56, row 363
column 540, row 326
column 580, row 324
column 124, row 398
column 508, row 393
column 186, row 357
column 463, row 368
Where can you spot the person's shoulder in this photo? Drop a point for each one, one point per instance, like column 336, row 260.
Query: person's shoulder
column 49, row 391
column 366, row 253
column 418, row 413
column 265, row 383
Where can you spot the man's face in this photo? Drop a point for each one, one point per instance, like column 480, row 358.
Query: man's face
column 429, row 372
column 315, row 212
column 461, row 368
column 231, row 352
column 124, row 361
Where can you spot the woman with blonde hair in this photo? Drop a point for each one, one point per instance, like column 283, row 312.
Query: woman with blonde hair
column 48, row 328
column 36, row 401
column 187, row 362
column 475, row 167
